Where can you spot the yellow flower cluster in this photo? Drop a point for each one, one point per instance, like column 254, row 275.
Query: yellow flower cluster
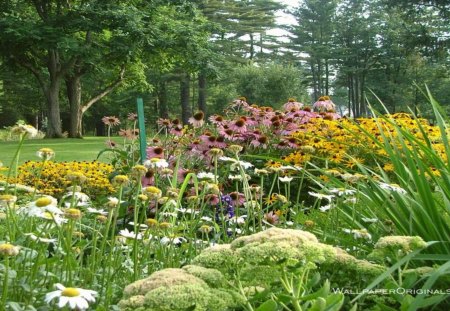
column 54, row 178
column 347, row 142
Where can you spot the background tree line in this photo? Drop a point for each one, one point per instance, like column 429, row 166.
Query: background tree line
column 65, row 64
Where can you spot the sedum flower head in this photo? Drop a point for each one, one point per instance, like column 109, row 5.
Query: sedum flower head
column 180, row 289
column 392, row 247
column 218, row 256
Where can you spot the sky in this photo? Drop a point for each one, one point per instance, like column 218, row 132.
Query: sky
column 283, row 18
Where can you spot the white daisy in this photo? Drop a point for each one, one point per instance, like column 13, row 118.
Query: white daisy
column 75, row 298
column 342, row 191
column 187, row 211
column 81, row 199
column 290, row 168
column 321, row 196
column 97, row 211
column 392, row 187
column 234, row 230
column 359, row 233
column 325, row 208
column 286, row 179
column 141, row 226
column 175, row 241
column 228, row 159
column 206, row 176
column 40, row 239
column 235, row 177
column 369, row 220
column 42, row 205
column 243, row 164
column 156, row 163
column 54, row 217
column 130, row 235
column 238, row 220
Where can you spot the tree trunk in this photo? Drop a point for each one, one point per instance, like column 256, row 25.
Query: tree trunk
column 327, row 77
column 362, row 94
column 186, row 112
column 252, row 47
column 162, row 98
column 313, row 72
column 202, row 92
column 54, row 129
column 73, row 88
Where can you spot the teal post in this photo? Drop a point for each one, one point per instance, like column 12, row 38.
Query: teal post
column 141, row 124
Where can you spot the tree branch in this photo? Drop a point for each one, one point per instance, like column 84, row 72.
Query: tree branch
column 104, row 92
column 34, row 70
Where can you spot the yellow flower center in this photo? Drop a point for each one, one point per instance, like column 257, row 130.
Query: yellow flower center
column 121, row 179
column 164, row 225
column 70, row 292
column 46, row 150
column 47, row 215
column 151, row 222
column 41, row 202
column 152, row 190
column 6, row 247
column 7, row 198
column 73, row 213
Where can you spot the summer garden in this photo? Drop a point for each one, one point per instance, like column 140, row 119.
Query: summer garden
column 253, row 203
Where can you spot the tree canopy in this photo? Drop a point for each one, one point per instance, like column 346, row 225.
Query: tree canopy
column 59, row 59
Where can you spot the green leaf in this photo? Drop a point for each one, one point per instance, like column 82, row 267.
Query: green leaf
column 318, row 305
column 335, row 302
column 268, row 305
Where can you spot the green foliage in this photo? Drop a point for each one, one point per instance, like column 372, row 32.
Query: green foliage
column 269, row 85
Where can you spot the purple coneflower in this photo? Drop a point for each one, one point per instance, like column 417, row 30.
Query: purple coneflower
column 111, row 120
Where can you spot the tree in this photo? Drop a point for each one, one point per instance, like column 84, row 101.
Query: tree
column 60, row 41
column 313, row 37
column 270, row 85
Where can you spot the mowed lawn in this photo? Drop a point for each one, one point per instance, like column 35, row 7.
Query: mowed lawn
column 66, row 149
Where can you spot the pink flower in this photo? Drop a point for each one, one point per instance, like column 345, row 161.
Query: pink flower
column 272, row 218
column 260, row 141
column 110, row 144
column 132, row 116
column 239, row 126
column 237, row 198
column 164, row 122
column 177, row 130
column 324, row 103
column 217, row 119
column 111, row 120
column 155, row 152
column 197, row 119
column 129, row 133
column 292, row 105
